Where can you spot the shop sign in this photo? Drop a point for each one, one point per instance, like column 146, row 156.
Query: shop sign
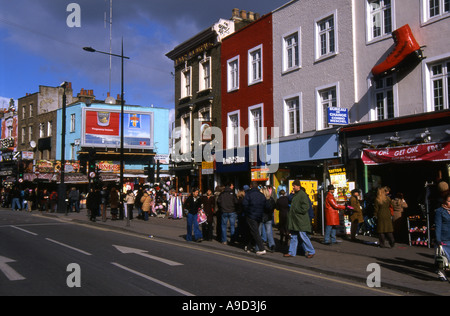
column 208, row 167
column 260, row 174
column 337, row 116
column 420, row 152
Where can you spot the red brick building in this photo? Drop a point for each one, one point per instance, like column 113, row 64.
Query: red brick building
column 247, row 94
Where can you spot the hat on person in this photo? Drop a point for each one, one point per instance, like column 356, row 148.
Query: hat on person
column 331, row 187
column 296, row 182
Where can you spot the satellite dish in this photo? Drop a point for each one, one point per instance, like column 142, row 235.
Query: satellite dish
column 33, row 144
column 110, row 100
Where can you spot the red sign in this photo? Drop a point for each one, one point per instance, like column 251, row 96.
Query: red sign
column 420, row 152
column 102, row 123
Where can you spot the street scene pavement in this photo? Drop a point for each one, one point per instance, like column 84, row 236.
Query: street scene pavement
column 409, row 269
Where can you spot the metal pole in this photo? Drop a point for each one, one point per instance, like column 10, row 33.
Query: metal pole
column 62, row 207
column 122, row 116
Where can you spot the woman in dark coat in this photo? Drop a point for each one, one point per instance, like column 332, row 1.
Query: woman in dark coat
column 93, row 201
column 209, row 202
column 384, row 218
column 283, row 208
column 114, row 203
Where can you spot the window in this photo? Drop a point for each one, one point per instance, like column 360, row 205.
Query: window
column 24, row 110
column 291, row 52
column 72, row 122
column 255, row 65
column 205, row 114
column 41, row 130
column 326, row 37
column 384, row 98
column 233, row 74
column 327, row 96
column 380, row 17
column 292, row 116
column 233, row 125
column 255, row 124
column 30, row 133
column 31, row 109
column 205, row 74
column 440, row 85
column 49, row 128
column 23, row 136
column 186, row 83
column 186, row 133
column 438, row 7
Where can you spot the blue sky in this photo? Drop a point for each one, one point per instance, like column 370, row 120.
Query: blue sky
column 37, row 47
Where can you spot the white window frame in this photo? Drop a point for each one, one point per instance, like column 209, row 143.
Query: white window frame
column 49, row 128
column 317, row 42
column 41, row 130
column 233, row 73
column 186, row 87
column 186, row 133
column 426, row 12
column 384, row 90
column 428, row 89
column 72, row 122
column 321, row 118
column 251, row 127
column 285, row 52
column 299, row 111
column 369, row 21
column 205, row 78
column 252, row 77
column 230, row 132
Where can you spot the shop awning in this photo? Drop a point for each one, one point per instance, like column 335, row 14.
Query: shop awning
column 419, row 152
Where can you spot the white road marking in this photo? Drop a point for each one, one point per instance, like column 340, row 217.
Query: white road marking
column 153, row 279
column 24, row 230
column 143, row 253
column 9, row 272
column 70, row 247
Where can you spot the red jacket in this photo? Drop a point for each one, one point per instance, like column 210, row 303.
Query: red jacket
column 332, row 210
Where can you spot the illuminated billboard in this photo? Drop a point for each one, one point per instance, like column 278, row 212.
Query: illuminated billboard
column 101, row 128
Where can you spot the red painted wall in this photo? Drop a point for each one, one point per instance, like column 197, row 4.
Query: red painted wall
column 257, row 33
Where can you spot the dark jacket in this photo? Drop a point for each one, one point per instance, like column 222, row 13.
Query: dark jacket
column 93, row 201
column 254, row 204
column 193, row 205
column 283, row 204
column 227, row 201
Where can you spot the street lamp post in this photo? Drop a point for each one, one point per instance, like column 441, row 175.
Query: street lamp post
column 62, row 206
column 122, row 57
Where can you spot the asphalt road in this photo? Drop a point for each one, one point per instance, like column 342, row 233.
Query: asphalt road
column 47, row 257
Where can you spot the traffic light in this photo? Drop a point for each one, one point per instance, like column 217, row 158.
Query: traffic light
column 83, row 164
column 158, row 170
column 20, row 171
column 150, row 172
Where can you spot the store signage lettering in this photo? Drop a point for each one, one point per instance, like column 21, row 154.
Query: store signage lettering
column 421, row 152
column 200, row 49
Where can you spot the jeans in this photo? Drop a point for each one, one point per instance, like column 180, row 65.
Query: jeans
column 192, row 221
column 267, row 227
column 330, row 232
column 16, row 202
column 225, row 218
column 305, row 241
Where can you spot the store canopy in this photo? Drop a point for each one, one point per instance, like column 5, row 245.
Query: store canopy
column 419, row 152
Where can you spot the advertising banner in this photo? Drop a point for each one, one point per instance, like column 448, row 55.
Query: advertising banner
column 419, row 152
column 102, row 129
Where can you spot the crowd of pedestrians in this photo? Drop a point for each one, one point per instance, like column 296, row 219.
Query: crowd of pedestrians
column 248, row 216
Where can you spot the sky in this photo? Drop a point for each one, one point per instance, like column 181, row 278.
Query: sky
column 38, row 46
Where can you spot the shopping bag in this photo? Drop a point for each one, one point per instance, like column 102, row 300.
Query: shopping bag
column 201, row 216
column 441, row 258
